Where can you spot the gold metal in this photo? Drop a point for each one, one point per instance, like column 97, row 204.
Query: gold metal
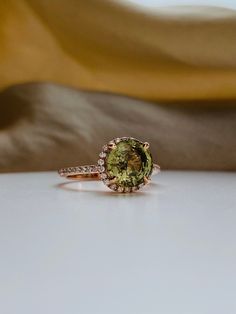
column 146, row 145
column 83, row 177
column 146, row 180
column 112, row 181
column 112, row 145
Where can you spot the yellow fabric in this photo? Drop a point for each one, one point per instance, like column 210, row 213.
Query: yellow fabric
column 174, row 54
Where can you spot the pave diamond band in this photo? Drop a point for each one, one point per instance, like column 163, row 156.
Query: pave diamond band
column 90, row 171
column 80, row 170
column 124, row 165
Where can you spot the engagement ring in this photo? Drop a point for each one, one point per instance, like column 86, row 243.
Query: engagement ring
column 125, row 165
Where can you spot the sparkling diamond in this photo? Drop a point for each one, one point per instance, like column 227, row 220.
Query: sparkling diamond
column 113, row 187
column 101, row 162
column 120, row 189
column 101, row 169
column 94, row 169
column 105, row 148
column 102, row 155
column 117, row 140
column 103, row 176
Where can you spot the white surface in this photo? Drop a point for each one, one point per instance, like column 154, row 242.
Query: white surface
column 84, row 249
column 231, row 4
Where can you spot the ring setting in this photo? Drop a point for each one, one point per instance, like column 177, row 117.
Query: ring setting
column 125, row 165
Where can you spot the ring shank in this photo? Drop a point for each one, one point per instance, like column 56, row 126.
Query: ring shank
column 89, row 172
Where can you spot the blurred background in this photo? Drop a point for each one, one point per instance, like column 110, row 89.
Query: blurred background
column 75, row 74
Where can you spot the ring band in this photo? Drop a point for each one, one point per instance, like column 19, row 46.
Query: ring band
column 125, row 165
column 89, row 172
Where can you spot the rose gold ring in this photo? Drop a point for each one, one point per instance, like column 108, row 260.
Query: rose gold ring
column 125, row 165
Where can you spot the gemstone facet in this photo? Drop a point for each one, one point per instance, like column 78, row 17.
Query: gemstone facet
column 128, row 164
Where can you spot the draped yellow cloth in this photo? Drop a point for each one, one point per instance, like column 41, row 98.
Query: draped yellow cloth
column 168, row 54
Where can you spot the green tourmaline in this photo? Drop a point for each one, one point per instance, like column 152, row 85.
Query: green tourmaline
column 129, row 163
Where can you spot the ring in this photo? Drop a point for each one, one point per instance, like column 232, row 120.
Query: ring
column 125, row 165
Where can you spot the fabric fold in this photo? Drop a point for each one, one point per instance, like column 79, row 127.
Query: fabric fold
column 170, row 54
column 47, row 127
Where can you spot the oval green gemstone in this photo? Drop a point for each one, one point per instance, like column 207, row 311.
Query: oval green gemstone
column 129, row 163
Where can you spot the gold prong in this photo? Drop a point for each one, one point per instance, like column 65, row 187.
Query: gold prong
column 112, row 181
column 146, row 145
column 112, row 145
column 146, row 180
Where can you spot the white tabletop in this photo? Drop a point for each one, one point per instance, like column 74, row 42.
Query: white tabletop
column 81, row 249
